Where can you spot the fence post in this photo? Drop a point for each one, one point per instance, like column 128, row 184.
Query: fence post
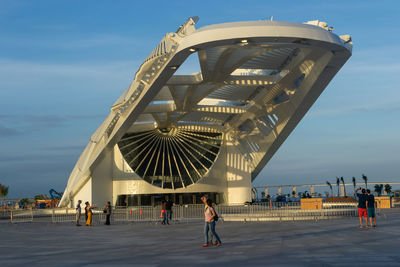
column 52, row 216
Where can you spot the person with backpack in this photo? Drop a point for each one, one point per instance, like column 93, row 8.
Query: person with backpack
column 210, row 234
column 210, row 216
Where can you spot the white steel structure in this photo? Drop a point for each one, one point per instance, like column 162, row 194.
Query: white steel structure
column 211, row 131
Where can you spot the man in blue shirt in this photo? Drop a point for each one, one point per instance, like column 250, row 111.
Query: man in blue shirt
column 362, row 206
column 371, row 208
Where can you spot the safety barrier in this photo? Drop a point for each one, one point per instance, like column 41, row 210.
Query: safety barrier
column 21, row 216
column 184, row 213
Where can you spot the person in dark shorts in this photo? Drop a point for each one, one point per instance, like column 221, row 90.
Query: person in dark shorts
column 362, row 207
column 168, row 209
column 371, row 208
column 107, row 211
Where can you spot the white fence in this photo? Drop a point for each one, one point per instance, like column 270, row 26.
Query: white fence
column 257, row 212
column 21, row 216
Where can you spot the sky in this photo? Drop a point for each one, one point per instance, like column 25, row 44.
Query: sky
column 64, row 63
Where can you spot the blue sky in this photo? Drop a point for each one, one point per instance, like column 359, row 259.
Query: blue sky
column 64, row 63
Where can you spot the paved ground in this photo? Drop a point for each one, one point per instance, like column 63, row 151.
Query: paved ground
column 324, row 243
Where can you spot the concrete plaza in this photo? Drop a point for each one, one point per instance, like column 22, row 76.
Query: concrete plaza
column 336, row 242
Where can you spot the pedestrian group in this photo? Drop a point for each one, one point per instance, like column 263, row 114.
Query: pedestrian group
column 366, row 207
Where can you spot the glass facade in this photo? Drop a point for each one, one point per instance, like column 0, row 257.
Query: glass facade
column 178, row 199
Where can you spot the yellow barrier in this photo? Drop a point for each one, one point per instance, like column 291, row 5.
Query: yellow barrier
column 311, row 203
column 383, row 202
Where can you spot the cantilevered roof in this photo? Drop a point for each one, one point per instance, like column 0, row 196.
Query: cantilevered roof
column 256, row 80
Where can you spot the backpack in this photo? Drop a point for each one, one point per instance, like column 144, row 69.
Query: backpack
column 216, row 216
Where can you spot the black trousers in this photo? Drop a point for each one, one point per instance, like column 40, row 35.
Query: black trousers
column 108, row 219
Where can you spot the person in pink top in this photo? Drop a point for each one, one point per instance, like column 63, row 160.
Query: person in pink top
column 209, row 215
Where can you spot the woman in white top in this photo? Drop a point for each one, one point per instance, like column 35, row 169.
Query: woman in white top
column 209, row 215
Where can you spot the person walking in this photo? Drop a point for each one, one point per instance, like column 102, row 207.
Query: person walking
column 362, row 207
column 163, row 212
column 371, row 208
column 78, row 212
column 209, row 216
column 168, row 209
column 89, row 212
column 210, row 234
column 86, row 212
column 107, row 210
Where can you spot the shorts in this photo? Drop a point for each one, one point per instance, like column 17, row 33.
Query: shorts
column 371, row 212
column 362, row 212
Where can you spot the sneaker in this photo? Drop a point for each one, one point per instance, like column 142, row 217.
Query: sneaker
column 374, row 225
column 205, row 245
column 215, row 243
column 218, row 244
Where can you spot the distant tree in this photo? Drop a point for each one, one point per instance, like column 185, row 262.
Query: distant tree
column 365, row 178
column 354, row 182
column 378, row 189
column 388, row 189
column 344, row 186
column 3, row 191
column 330, row 186
column 338, row 184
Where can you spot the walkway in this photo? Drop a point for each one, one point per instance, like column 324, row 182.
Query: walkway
column 324, row 243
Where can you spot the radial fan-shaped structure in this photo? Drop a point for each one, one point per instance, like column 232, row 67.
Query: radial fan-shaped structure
column 170, row 157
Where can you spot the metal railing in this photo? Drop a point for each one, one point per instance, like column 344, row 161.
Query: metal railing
column 290, row 211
